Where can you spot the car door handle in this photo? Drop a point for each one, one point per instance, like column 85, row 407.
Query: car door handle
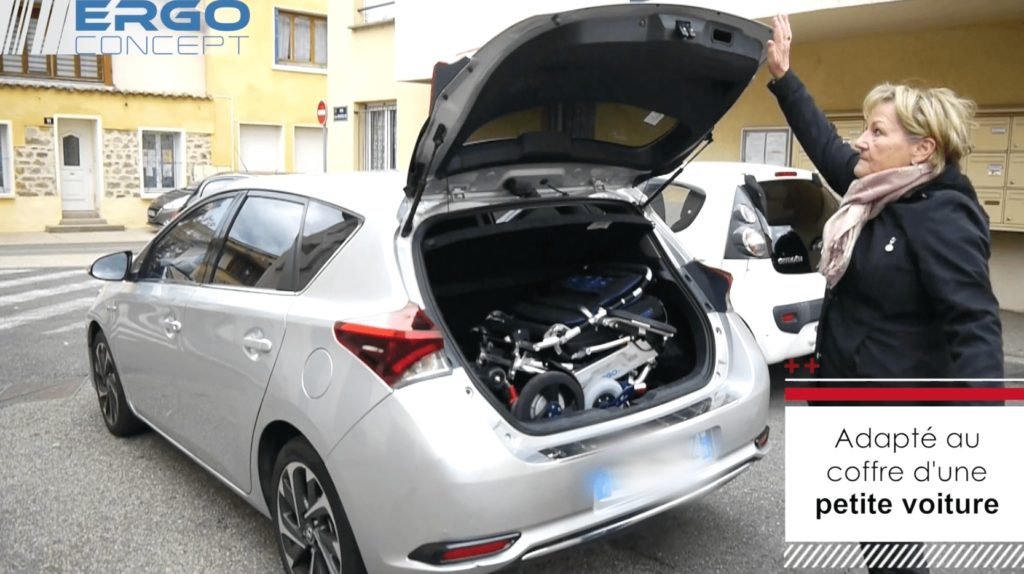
column 258, row 344
column 172, row 324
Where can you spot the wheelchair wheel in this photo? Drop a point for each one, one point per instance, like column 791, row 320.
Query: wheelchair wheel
column 602, row 394
column 548, row 395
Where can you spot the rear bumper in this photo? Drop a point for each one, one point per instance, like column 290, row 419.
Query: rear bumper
column 435, row 463
column 623, row 522
column 761, row 296
column 778, row 346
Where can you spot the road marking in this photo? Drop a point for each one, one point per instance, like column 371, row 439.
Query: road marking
column 45, row 313
column 40, row 278
column 11, row 271
column 25, row 296
column 65, row 329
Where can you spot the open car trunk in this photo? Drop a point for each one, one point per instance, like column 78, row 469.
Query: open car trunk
column 501, row 281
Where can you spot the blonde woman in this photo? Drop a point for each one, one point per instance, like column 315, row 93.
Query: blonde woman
column 906, row 255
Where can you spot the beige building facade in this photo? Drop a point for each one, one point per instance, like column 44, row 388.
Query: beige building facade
column 93, row 139
column 842, row 49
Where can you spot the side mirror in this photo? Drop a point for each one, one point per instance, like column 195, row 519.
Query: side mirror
column 113, row 267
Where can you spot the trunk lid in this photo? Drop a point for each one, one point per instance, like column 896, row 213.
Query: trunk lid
column 615, row 94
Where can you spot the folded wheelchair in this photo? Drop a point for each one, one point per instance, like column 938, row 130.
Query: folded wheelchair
column 586, row 340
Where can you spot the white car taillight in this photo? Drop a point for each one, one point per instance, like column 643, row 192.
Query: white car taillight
column 400, row 347
column 748, row 231
column 753, row 242
column 746, row 214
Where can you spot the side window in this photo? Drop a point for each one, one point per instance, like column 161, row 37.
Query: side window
column 260, row 247
column 326, row 229
column 178, row 255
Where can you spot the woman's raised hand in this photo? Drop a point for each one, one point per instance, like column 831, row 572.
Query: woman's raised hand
column 778, row 46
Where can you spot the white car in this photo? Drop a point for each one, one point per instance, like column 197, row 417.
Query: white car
column 763, row 224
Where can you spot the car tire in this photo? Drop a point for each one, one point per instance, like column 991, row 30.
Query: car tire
column 307, row 540
column 117, row 415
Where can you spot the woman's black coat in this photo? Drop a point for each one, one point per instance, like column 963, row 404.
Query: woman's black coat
column 923, row 308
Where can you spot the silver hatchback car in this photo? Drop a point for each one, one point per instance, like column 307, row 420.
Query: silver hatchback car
column 511, row 357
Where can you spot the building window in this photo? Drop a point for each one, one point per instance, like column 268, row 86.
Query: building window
column 301, row 39
column 380, row 122
column 6, row 167
column 377, row 11
column 64, row 67
column 161, row 161
column 765, row 145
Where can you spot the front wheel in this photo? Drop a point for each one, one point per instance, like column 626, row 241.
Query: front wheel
column 313, row 533
column 117, row 415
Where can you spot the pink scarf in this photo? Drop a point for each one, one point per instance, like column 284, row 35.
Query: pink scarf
column 863, row 202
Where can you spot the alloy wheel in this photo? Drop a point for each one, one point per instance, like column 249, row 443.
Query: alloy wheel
column 104, row 378
column 306, row 524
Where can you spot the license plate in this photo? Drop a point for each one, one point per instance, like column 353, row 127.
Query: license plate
column 649, row 475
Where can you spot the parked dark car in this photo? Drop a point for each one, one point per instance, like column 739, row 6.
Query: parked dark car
column 163, row 209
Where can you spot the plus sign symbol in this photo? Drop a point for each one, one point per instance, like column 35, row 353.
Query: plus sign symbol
column 812, row 365
column 791, row 365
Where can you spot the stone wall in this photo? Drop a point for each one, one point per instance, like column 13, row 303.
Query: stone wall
column 121, row 157
column 35, row 165
column 199, row 154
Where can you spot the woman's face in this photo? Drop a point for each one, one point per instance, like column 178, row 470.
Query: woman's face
column 885, row 144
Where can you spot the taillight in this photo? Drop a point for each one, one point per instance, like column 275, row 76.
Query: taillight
column 789, row 317
column 753, row 242
column 398, row 346
column 450, row 552
column 785, row 174
column 747, row 231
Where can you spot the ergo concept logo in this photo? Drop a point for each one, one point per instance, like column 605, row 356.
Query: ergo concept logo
column 178, row 15
column 148, row 27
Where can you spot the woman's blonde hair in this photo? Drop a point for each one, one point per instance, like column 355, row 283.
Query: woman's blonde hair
column 936, row 113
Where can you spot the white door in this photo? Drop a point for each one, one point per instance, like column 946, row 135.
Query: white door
column 76, row 150
column 309, row 150
column 259, row 149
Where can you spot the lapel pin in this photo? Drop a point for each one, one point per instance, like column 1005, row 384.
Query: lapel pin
column 889, row 248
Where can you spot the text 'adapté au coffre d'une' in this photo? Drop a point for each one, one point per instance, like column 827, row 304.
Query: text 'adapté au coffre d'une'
column 926, row 472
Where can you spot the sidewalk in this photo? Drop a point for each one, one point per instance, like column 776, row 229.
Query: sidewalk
column 40, row 249
column 36, row 250
column 140, row 235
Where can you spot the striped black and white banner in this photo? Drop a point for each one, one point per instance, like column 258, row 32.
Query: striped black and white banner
column 993, row 556
column 20, row 32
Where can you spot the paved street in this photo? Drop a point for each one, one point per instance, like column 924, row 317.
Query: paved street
column 74, row 498
column 42, row 329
